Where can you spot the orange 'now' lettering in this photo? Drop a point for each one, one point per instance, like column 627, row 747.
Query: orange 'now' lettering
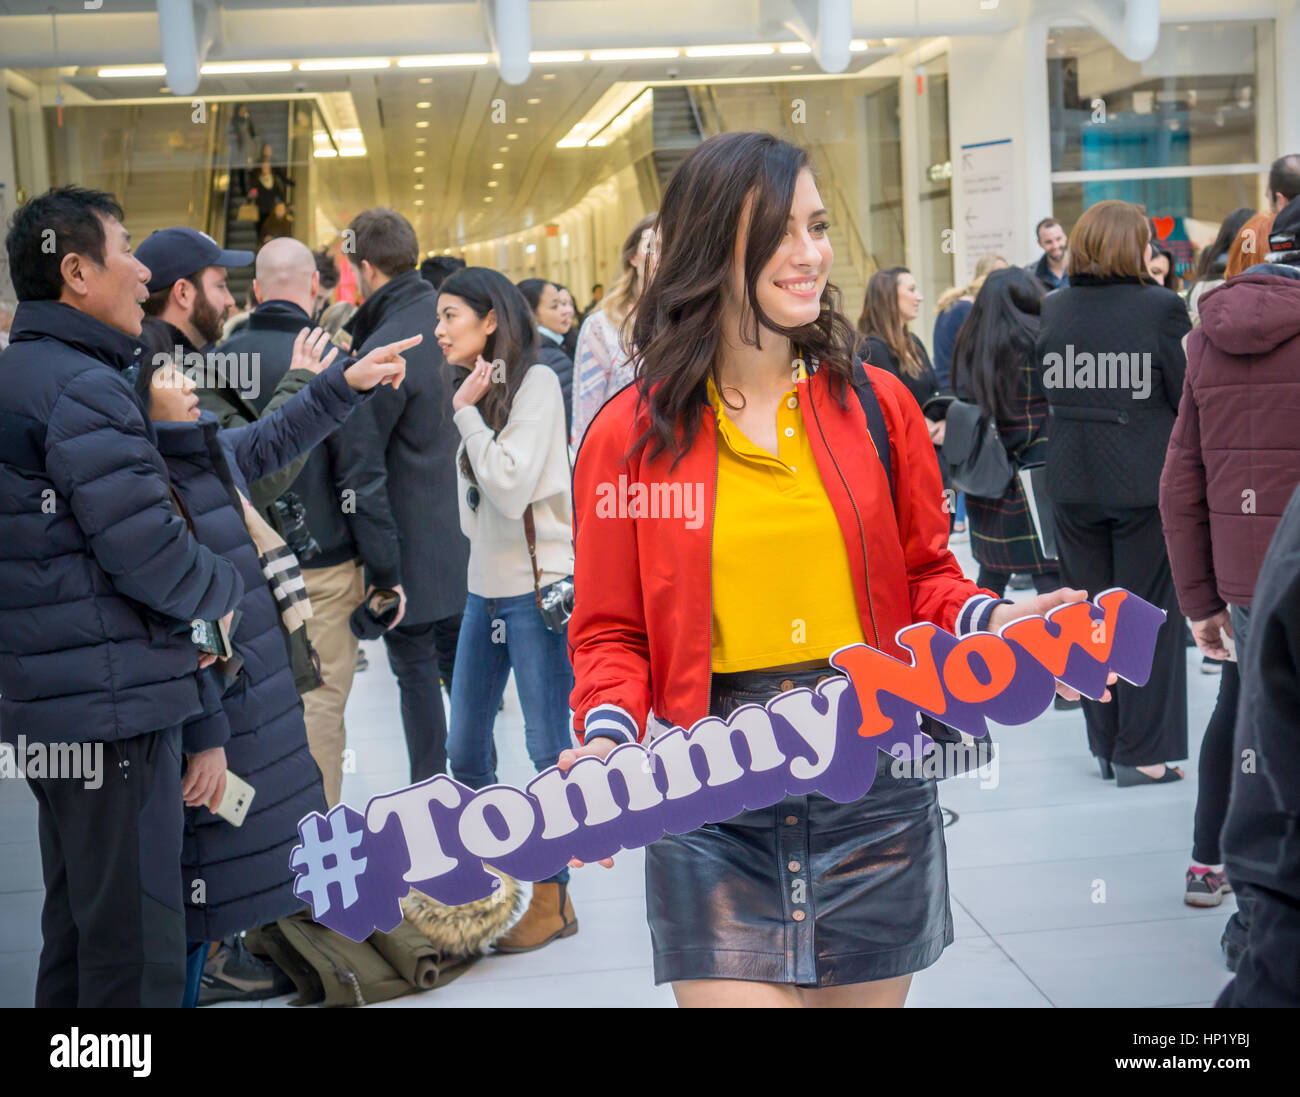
column 871, row 671
column 961, row 680
column 1077, row 627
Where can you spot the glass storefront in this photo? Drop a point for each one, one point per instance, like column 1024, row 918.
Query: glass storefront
column 1184, row 133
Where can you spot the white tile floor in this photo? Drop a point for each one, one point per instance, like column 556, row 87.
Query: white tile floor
column 1066, row 891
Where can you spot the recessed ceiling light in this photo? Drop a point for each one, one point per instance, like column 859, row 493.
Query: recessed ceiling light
column 796, row 68
column 419, row 186
column 534, row 99
column 498, row 166
column 424, row 105
column 521, row 121
column 492, row 183
column 425, row 80
column 419, row 167
column 487, row 198
column 422, row 125
column 419, row 201
column 512, row 137
column 419, row 152
column 548, row 76
column 504, row 148
column 421, row 140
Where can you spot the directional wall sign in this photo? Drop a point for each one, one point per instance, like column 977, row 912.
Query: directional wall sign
column 988, row 221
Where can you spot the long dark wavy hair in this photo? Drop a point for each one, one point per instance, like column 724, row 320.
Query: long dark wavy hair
column 1213, row 259
column 514, row 342
column 997, row 339
column 880, row 317
column 677, row 324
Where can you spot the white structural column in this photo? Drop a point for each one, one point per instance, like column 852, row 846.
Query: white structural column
column 1288, row 79
column 998, row 91
column 1133, row 26
column 826, row 26
column 183, row 28
column 510, row 35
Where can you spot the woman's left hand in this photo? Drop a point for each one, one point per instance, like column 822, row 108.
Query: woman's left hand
column 1039, row 607
column 936, row 430
column 309, row 350
column 475, row 386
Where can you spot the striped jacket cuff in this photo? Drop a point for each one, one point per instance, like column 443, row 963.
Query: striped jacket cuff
column 974, row 615
column 609, row 722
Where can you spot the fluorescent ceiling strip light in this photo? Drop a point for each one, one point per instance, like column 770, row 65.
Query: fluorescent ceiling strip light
column 132, row 70
column 232, row 68
column 635, row 54
column 446, row 60
column 751, row 50
column 795, row 47
column 344, row 64
column 552, row 57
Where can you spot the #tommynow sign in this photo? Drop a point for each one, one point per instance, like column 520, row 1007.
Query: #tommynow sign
column 439, row 835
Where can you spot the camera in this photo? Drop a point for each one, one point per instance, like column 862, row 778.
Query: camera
column 556, row 605
column 293, row 527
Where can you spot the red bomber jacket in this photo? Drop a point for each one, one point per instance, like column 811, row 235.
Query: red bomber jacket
column 641, row 632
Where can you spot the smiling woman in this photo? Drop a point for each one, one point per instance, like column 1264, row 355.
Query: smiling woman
column 797, row 549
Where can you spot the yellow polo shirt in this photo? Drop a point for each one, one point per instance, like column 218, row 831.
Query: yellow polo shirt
column 782, row 591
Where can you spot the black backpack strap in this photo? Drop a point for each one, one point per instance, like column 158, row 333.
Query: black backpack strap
column 875, row 423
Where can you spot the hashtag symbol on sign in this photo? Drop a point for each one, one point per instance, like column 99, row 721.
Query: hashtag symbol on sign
column 324, row 861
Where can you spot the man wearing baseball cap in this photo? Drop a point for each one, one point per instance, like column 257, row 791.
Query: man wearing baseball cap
column 187, row 287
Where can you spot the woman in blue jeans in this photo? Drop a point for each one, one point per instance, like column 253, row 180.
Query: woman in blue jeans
column 516, row 509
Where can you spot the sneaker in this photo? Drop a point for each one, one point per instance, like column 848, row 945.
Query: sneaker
column 1205, row 887
column 1233, row 942
column 233, row 974
column 1211, row 666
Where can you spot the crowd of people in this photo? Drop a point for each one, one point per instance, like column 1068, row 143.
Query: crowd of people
column 208, row 508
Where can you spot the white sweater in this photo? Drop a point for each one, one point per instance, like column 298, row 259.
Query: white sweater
column 527, row 462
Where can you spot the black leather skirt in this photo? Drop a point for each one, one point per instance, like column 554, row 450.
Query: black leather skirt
column 807, row 891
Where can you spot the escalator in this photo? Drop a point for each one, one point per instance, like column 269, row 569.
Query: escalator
column 271, row 123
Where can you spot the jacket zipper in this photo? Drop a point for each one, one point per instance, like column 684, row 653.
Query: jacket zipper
column 862, row 537
column 713, row 521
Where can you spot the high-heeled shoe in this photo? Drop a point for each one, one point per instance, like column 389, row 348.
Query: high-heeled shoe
column 1107, row 770
column 1128, row 776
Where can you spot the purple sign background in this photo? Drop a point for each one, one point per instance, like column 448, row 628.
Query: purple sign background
column 437, row 836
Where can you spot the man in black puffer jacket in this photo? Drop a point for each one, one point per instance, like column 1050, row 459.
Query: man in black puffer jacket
column 99, row 579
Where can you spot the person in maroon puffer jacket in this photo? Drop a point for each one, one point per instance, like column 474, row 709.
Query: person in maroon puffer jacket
column 1233, row 462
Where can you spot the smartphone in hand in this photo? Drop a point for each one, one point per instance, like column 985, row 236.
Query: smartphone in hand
column 238, row 796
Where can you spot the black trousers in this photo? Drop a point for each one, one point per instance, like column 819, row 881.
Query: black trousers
column 1214, row 769
column 113, row 923
column 1103, row 547
column 1044, row 581
column 420, row 656
column 1269, row 972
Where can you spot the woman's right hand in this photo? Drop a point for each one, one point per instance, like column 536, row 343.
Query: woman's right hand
column 599, row 747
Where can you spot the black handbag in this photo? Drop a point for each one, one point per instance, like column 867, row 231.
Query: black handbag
column 972, row 448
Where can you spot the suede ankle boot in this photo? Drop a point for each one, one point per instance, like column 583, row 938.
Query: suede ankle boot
column 549, row 915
